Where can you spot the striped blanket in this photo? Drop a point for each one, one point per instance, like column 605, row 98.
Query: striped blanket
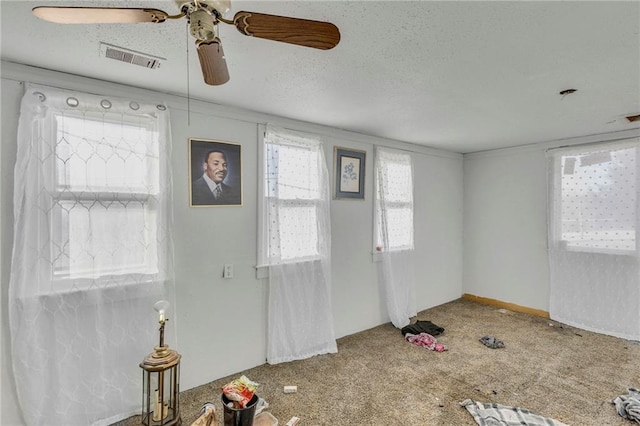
column 628, row 406
column 501, row 415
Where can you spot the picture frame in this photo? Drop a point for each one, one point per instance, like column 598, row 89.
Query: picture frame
column 349, row 173
column 215, row 173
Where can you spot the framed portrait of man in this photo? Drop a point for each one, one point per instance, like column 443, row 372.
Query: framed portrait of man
column 215, row 173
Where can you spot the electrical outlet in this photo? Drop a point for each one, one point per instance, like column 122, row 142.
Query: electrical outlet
column 228, row 271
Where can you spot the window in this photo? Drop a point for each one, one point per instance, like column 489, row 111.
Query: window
column 105, row 197
column 394, row 201
column 295, row 192
column 596, row 198
column 294, row 245
column 92, row 251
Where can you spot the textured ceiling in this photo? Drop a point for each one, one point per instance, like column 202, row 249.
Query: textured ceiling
column 460, row 76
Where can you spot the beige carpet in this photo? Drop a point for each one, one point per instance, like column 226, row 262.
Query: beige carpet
column 377, row 378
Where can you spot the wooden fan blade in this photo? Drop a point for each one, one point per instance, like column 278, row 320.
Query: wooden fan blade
column 303, row 32
column 212, row 62
column 98, row 15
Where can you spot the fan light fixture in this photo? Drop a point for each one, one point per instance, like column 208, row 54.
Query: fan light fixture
column 201, row 25
column 203, row 17
column 222, row 6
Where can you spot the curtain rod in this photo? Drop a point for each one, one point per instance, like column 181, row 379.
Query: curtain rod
column 66, row 89
column 588, row 144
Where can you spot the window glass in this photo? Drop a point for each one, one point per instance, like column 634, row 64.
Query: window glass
column 598, row 200
column 293, row 195
column 102, row 156
column 293, row 172
column 394, row 201
column 299, row 232
column 103, row 220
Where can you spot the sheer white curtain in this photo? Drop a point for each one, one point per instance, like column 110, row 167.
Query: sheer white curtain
column 394, row 232
column 92, row 253
column 298, row 246
column 593, row 245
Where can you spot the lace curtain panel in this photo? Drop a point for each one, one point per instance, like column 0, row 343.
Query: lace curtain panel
column 92, row 253
column 593, row 247
column 298, row 246
column 394, row 229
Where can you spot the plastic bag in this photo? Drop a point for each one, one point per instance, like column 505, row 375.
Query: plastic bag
column 240, row 391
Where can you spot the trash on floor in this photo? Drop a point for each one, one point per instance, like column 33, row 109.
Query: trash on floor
column 422, row 327
column 261, row 405
column 293, row 421
column 240, row 391
column 492, row 342
column 628, row 406
column 425, row 340
column 265, row 419
column 496, row 415
column 207, row 416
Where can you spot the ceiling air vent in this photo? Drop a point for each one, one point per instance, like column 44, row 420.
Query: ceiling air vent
column 130, row 56
column 633, row 118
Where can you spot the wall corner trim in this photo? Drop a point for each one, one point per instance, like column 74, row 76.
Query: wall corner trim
column 506, row 305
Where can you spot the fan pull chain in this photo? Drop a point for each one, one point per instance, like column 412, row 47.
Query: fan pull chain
column 188, row 86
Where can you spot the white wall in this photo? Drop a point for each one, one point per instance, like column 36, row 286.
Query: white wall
column 438, row 211
column 10, row 104
column 505, row 226
column 221, row 322
column 505, row 222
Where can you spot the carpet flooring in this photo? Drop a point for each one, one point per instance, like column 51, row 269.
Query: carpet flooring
column 378, row 378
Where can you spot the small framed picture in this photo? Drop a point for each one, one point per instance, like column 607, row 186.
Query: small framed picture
column 349, row 168
column 215, row 173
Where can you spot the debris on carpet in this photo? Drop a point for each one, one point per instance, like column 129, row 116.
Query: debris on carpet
column 422, row 327
column 207, row 416
column 425, row 340
column 492, row 342
column 628, row 406
column 293, row 421
column 490, row 414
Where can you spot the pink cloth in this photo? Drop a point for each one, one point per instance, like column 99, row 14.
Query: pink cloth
column 425, row 340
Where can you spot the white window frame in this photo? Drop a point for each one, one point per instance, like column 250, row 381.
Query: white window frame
column 377, row 248
column 145, row 272
column 262, row 267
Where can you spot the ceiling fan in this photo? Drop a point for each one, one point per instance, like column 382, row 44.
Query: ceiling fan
column 203, row 17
